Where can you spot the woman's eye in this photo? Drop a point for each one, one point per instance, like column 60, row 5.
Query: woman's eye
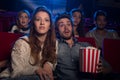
column 26, row 16
column 37, row 19
column 47, row 20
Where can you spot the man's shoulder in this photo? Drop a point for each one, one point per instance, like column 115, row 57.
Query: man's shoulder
column 111, row 31
column 83, row 44
column 91, row 32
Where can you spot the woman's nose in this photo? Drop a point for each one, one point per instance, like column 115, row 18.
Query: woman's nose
column 42, row 22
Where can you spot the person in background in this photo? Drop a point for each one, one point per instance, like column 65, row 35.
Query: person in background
column 78, row 22
column 22, row 23
column 35, row 53
column 67, row 67
column 99, row 32
column 3, row 65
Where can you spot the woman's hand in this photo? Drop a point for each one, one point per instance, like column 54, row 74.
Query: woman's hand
column 42, row 73
column 48, row 70
column 45, row 73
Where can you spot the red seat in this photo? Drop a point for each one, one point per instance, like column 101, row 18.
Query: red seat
column 111, row 52
column 86, row 39
column 1, row 28
column 6, row 43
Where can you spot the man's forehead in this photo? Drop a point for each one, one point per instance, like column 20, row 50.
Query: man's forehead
column 63, row 20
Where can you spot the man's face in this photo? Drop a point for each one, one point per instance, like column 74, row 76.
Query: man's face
column 65, row 28
column 101, row 22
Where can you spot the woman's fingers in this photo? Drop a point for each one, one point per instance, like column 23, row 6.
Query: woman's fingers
column 48, row 69
column 44, row 76
column 42, row 73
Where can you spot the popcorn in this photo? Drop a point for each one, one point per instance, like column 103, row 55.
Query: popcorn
column 89, row 58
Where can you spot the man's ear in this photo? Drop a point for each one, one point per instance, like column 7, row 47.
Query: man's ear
column 94, row 22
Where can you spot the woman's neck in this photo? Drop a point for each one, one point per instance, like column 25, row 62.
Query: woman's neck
column 42, row 37
column 75, row 30
column 75, row 26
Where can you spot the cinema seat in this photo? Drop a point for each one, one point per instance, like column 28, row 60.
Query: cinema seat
column 6, row 43
column 86, row 39
column 111, row 52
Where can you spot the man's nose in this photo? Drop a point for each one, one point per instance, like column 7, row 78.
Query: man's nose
column 65, row 26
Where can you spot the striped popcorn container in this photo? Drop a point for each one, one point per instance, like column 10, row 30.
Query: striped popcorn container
column 89, row 58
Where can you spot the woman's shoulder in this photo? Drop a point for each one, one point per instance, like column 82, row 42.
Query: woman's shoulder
column 22, row 40
column 13, row 28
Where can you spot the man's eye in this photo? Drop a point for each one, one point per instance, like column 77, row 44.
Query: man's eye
column 61, row 25
column 68, row 24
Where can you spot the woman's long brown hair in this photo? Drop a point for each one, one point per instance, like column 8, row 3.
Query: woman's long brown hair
column 49, row 48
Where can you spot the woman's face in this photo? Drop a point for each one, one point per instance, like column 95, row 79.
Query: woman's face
column 24, row 20
column 76, row 18
column 42, row 22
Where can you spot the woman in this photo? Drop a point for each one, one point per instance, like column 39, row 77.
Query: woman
column 36, row 53
column 77, row 16
column 22, row 23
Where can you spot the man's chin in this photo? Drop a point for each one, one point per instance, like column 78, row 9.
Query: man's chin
column 100, row 28
column 66, row 37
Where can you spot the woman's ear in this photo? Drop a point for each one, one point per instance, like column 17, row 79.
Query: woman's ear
column 29, row 21
column 17, row 21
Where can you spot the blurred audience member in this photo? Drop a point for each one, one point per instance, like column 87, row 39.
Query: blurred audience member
column 78, row 22
column 99, row 32
column 22, row 23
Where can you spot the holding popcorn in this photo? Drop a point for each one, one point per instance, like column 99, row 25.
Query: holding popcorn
column 68, row 52
column 90, row 60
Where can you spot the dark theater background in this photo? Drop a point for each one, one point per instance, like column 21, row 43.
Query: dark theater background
column 9, row 9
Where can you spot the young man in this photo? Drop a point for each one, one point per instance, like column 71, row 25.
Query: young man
column 100, row 32
column 67, row 67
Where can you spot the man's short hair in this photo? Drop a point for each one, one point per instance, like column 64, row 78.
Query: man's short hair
column 99, row 13
column 61, row 16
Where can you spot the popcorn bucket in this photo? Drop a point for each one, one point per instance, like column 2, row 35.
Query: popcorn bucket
column 89, row 58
